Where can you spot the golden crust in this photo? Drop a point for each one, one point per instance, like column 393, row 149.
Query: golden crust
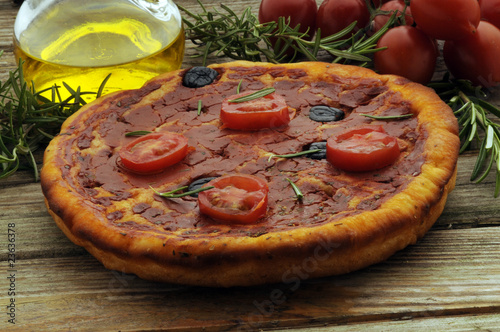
column 283, row 254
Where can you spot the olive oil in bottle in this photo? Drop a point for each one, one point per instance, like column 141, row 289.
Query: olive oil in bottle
column 80, row 42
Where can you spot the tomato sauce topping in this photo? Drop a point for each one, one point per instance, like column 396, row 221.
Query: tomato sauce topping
column 328, row 192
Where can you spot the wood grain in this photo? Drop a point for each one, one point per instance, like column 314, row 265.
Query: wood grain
column 450, row 280
column 438, row 277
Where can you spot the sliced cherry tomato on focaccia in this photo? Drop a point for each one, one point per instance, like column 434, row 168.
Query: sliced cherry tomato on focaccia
column 236, row 198
column 360, row 149
column 269, row 111
column 154, row 152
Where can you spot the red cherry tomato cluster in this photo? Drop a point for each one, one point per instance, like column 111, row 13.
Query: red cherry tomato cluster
column 471, row 43
column 470, row 30
column 301, row 12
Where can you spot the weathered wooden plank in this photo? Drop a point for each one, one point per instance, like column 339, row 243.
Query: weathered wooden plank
column 489, row 322
column 470, row 204
column 36, row 233
column 450, row 272
column 7, row 16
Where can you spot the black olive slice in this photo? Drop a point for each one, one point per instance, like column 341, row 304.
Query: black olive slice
column 198, row 77
column 317, row 155
column 198, row 184
column 322, row 113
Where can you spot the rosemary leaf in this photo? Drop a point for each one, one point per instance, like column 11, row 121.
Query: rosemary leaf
column 238, row 88
column 102, row 86
column 200, row 106
column 292, row 155
column 255, row 95
column 296, row 189
column 489, row 137
column 473, row 132
column 388, row 117
column 172, row 194
column 138, row 133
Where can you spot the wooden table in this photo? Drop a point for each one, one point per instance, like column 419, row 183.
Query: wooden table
column 450, row 280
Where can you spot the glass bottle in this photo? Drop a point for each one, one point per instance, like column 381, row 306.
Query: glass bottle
column 80, row 42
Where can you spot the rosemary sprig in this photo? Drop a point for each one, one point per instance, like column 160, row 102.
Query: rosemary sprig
column 254, row 95
column 200, row 107
column 222, row 32
column 296, row 190
column 293, row 155
column 28, row 120
column 138, row 133
column 238, row 88
column 474, row 116
column 387, row 117
column 173, row 193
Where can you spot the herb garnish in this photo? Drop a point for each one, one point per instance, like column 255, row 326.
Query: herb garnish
column 387, row 117
column 138, row 133
column 200, row 106
column 224, row 33
column 238, row 88
column 292, row 155
column 474, row 115
column 296, row 189
column 29, row 120
column 254, row 95
column 172, row 194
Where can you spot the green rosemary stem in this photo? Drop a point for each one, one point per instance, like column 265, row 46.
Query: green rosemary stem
column 296, row 190
column 172, row 194
column 29, row 120
column 472, row 114
column 221, row 32
column 387, row 117
column 252, row 96
column 138, row 133
column 292, row 155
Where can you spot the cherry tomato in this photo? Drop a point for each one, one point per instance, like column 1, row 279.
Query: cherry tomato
column 377, row 3
column 154, row 152
column 301, row 12
column 410, row 53
column 476, row 58
column 270, row 111
column 335, row 15
column 392, row 6
column 238, row 198
column 490, row 11
column 446, row 20
column 360, row 149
